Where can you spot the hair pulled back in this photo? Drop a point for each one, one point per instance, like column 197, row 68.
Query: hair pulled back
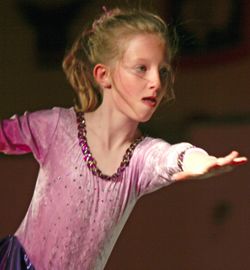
column 102, row 43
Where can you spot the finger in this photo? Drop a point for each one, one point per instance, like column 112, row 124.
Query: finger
column 227, row 159
column 234, row 162
column 230, row 164
column 238, row 161
column 218, row 169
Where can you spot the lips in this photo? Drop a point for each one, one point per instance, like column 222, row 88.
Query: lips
column 150, row 101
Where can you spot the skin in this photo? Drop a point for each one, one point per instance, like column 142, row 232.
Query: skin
column 126, row 84
column 141, row 73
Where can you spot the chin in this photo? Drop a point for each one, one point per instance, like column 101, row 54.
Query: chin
column 141, row 116
column 144, row 118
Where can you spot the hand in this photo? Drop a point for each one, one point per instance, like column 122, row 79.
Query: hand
column 203, row 166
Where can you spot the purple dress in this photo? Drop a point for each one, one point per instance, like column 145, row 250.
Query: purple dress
column 13, row 256
column 75, row 217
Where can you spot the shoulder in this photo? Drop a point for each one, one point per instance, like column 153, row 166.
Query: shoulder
column 149, row 142
column 47, row 119
column 65, row 114
column 50, row 114
column 149, row 145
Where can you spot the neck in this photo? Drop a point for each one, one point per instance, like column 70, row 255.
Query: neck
column 112, row 128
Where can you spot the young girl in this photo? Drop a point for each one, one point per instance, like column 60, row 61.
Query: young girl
column 94, row 161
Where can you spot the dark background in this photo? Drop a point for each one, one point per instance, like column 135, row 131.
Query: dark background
column 189, row 225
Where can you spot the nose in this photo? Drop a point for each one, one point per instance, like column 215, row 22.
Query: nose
column 155, row 81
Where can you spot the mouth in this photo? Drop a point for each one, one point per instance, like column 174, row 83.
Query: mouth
column 150, row 101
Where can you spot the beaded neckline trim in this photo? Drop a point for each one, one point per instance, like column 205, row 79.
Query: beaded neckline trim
column 89, row 159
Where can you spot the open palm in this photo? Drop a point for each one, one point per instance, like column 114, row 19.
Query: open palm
column 209, row 166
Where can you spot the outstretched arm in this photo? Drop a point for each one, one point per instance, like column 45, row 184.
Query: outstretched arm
column 31, row 132
column 200, row 165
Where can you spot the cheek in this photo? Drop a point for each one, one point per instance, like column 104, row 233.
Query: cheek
column 123, row 84
column 133, row 84
column 128, row 84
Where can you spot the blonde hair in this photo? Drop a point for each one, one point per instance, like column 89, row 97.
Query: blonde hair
column 99, row 44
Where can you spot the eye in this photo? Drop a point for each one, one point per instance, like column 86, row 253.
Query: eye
column 165, row 73
column 141, row 68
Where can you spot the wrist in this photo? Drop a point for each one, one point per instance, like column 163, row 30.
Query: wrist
column 191, row 158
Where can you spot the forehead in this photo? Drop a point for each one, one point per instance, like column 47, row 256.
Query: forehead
column 145, row 46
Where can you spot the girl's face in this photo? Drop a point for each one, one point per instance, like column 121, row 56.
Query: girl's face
column 140, row 78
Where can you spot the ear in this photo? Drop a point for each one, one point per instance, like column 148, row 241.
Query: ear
column 101, row 74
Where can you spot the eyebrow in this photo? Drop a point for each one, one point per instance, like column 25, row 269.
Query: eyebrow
column 144, row 59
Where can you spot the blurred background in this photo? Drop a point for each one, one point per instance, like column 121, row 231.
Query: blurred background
column 186, row 226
